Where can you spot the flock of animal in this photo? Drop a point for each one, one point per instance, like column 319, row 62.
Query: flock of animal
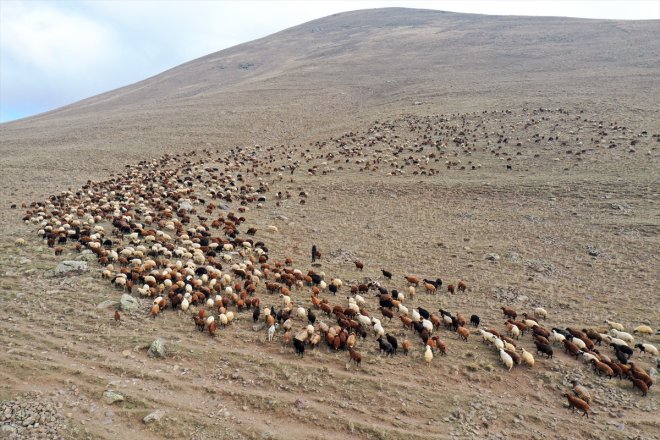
column 172, row 230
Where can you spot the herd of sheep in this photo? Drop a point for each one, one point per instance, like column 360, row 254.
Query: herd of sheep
column 174, row 230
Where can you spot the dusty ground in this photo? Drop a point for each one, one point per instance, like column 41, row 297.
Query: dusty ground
column 544, row 218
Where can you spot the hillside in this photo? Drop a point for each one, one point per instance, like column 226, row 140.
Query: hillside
column 323, row 75
column 514, row 156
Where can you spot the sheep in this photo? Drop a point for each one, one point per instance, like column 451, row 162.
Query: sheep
column 615, row 325
column 623, row 336
column 506, row 359
column 557, row 337
column 581, row 391
column 576, row 402
column 510, row 313
column 411, row 292
column 602, row 368
column 428, row 355
column 385, row 346
column 271, row 331
column 299, row 346
column 406, row 346
column 640, row 385
column 644, row 329
column 527, row 357
column 475, row 320
column 355, row 356
column 428, row 325
column 647, row 348
column 540, row 312
column 544, row 348
column 378, row 330
column 463, row 333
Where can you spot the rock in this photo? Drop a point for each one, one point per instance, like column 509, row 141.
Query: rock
column 128, row 303
column 158, row 348
column 258, row 327
column 186, row 205
column 593, row 251
column 154, row 416
column 71, row 267
column 25, row 260
column 492, row 256
column 86, row 257
column 107, row 304
column 8, row 429
column 111, row 397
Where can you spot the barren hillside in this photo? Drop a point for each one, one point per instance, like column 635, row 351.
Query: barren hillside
column 515, row 155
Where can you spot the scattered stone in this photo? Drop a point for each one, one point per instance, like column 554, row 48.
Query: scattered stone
column 107, row 304
column 71, row 268
column 492, row 257
column 593, row 251
column 158, row 349
column 128, row 303
column 111, row 397
column 154, row 416
column 185, row 205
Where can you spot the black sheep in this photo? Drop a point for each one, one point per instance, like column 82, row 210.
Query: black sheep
column 424, row 313
column 392, row 340
column 387, row 303
column 313, row 253
column 332, row 289
column 300, row 347
column 623, row 348
column 385, row 346
column 475, row 320
column 255, row 314
column 387, row 274
column 544, row 348
column 316, row 279
column 444, row 313
column 311, row 317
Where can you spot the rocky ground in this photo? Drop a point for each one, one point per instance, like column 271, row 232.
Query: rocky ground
column 572, row 226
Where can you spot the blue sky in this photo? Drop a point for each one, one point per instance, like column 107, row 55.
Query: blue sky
column 53, row 53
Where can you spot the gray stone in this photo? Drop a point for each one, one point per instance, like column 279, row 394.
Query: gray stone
column 86, row 257
column 71, row 267
column 107, row 304
column 158, row 348
column 128, row 303
column 492, row 257
column 186, row 205
column 111, row 397
column 154, row 416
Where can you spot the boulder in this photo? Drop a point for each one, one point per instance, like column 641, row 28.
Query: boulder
column 111, row 397
column 158, row 348
column 128, row 303
column 71, row 267
column 154, row 416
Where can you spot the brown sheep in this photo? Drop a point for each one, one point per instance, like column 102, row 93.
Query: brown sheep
column 576, row 402
column 463, row 333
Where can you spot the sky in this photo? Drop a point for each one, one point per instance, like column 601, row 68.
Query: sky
column 56, row 52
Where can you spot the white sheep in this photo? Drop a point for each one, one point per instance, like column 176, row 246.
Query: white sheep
column 623, row 335
column 271, row 332
column 648, row 348
column 185, row 304
column 403, row 310
column 416, row 316
column 378, row 330
column 644, row 329
column 487, row 336
column 428, row 355
column 286, row 300
column 428, row 325
column 223, row 319
column 579, row 342
column 411, row 292
column 556, row 338
column 506, row 359
column 498, row 343
column 301, row 312
column 615, row 325
column 527, row 357
column 540, row 312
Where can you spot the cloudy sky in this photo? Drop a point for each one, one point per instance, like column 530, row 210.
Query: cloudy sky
column 56, row 52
